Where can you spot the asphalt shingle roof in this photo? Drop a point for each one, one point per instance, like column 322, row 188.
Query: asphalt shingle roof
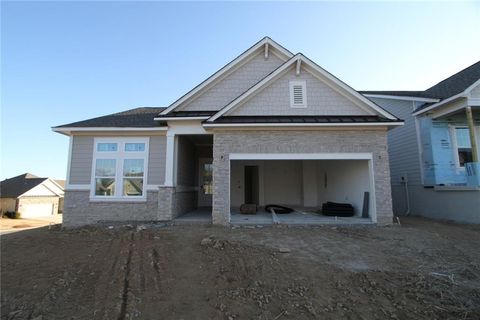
column 16, row 186
column 138, row 117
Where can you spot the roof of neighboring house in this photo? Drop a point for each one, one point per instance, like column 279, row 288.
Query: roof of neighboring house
column 142, row 117
column 447, row 88
column 303, row 119
column 61, row 183
column 455, row 84
column 395, row 93
column 16, row 186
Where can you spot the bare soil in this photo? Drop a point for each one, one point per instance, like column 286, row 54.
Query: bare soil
column 421, row 270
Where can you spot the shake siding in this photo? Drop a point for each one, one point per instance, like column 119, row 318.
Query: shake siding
column 156, row 160
column 275, row 99
column 234, row 84
column 81, row 163
column 402, row 142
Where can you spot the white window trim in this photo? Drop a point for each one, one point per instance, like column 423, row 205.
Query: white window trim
column 304, row 94
column 119, row 156
column 453, row 136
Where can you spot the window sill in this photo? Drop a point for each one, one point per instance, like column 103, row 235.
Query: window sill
column 456, row 188
column 123, row 200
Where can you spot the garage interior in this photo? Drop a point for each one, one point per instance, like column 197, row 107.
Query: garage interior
column 303, row 185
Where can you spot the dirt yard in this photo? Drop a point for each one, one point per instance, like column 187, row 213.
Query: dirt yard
column 422, row 270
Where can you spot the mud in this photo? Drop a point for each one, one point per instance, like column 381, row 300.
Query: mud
column 422, row 270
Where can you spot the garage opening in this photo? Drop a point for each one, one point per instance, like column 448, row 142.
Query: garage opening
column 318, row 191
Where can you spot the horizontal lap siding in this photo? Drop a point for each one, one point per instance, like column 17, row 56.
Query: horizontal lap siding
column 402, row 142
column 81, row 160
column 156, row 160
column 82, row 155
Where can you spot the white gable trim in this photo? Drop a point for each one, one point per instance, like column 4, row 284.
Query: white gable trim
column 352, row 94
column 441, row 103
column 265, row 43
column 464, row 94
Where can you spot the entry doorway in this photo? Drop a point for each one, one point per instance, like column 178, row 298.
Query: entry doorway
column 205, row 179
column 251, row 185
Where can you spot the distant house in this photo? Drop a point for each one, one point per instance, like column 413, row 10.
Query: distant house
column 31, row 196
column 435, row 171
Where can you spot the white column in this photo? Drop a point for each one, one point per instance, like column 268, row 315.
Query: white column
column 170, row 160
column 471, row 131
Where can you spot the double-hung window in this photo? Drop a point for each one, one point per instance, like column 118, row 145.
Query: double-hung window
column 119, row 168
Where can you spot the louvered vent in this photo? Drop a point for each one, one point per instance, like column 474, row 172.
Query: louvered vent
column 298, row 95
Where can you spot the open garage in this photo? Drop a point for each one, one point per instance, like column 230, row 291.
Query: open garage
column 303, row 183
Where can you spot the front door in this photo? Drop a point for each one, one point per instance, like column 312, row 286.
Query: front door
column 205, row 179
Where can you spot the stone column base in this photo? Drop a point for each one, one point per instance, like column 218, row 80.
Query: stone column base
column 166, row 203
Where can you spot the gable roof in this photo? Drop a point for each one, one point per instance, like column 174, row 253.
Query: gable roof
column 265, row 42
column 315, row 69
column 454, row 84
column 16, row 186
column 443, row 92
column 140, row 118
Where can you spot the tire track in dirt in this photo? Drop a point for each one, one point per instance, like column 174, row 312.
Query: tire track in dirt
column 126, row 280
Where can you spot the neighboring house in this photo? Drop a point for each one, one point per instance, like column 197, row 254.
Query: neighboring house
column 434, row 157
column 269, row 127
column 30, row 195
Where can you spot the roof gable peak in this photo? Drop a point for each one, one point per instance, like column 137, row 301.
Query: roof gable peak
column 266, row 44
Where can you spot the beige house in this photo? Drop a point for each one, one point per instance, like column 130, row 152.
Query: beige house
column 270, row 127
column 30, row 195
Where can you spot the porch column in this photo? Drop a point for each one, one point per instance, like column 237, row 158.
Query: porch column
column 471, row 131
column 170, row 160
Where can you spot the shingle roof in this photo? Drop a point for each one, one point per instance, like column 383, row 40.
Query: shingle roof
column 447, row 88
column 16, row 186
column 455, row 84
column 303, row 119
column 138, row 117
column 178, row 114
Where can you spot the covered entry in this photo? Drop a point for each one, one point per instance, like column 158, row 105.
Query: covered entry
column 302, row 182
column 194, row 178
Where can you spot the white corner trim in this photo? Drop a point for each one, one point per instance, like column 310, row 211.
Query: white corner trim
column 301, row 156
column 226, row 69
column 393, row 97
column 367, row 124
column 69, row 160
column 441, row 103
column 338, row 83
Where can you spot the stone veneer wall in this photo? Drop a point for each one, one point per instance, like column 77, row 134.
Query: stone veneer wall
column 320, row 141
column 79, row 210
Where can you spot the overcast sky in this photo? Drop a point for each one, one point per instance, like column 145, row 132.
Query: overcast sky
column 68, row 61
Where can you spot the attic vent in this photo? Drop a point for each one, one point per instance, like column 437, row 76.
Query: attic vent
column 298, row 94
